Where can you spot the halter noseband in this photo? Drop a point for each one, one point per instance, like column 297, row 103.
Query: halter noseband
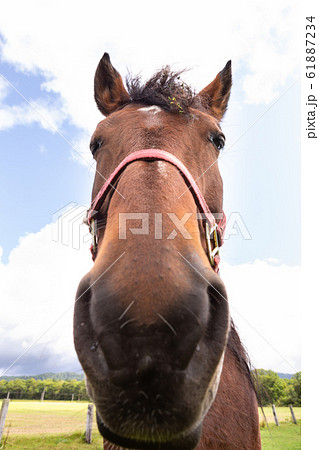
column 214, row 230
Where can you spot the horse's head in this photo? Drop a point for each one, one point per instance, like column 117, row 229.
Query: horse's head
column 151, row 317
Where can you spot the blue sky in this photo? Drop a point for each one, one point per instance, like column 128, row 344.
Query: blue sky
column 46, row 164
column 264, row 172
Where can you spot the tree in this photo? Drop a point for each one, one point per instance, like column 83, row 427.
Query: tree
column 31, row 386
column 292, row 393
column 3, row 388
column 17, row 388
column 270, row 386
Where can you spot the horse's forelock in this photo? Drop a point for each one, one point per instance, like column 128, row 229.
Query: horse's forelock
column 164, row 89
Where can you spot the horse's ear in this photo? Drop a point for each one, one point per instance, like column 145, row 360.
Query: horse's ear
column 109, row 90
column 215, row 96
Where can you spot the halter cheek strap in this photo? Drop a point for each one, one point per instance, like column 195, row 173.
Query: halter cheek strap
column 214, row 230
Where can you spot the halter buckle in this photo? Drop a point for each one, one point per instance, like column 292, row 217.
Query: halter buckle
column 211, row 234
column 94, row 236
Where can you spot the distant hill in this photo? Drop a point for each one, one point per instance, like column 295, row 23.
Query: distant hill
column 43, row 376
column 285, row 375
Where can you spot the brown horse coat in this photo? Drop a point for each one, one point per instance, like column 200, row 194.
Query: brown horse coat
column 164, row 365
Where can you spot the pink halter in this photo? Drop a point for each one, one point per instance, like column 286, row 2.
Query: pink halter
column 214, row 229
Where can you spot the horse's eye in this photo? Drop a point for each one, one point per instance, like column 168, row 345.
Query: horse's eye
column 218, row 140
column 95, row 145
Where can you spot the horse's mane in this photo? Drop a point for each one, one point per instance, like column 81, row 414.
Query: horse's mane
column 164, row 89
column 238, row 350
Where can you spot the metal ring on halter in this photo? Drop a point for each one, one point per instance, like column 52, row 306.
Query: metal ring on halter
column 94, row 236
column 214, row 230
column 212, row 252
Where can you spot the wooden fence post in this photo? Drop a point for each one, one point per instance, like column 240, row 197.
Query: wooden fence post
column 275, row 415
column 293, row 415
column 3, row 413
column 89, row 423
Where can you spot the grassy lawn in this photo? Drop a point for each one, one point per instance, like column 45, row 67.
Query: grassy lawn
column 286, row 436
column 50, row 425
column 49, row 417
column 283, row 414
column 48, row 441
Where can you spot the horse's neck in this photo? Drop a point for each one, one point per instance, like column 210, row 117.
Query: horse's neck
column 232, row 421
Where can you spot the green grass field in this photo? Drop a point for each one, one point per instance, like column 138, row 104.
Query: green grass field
column 287, row 435
column 61, row 425
column 48, row 425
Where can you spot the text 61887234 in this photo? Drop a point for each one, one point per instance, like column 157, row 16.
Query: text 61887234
column 312, row 100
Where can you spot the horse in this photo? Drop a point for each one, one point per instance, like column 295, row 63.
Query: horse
column 163, row 361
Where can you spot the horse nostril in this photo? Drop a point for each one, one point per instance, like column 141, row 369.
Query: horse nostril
column 145, row 364
column 94, row 346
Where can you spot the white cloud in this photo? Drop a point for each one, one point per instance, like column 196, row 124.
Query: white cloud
column 3, row 89
column 264, row 300
column 64, row 41
column 37, row 290
column 40, row 280
column 48, row 115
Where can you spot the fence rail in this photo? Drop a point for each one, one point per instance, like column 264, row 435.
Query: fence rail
column 21, row 395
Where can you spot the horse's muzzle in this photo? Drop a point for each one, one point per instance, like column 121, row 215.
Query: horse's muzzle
column 154, row 373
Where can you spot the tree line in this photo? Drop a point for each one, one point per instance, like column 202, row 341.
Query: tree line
column 32, row 389
column 278, row 391
column 270, row 387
